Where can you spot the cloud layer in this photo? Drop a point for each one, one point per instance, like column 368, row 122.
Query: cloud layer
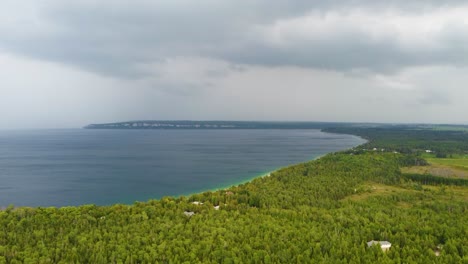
column 204, row 55
column 116, row 38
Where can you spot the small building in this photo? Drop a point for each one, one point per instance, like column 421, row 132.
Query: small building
column 216, row 207
column 384, row 245
column 197, row 203
column 437, row 250
column 229, row 193
column 189, row 214
column 428, row 151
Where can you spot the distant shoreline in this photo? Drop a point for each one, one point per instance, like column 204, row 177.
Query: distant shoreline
column 155, row 124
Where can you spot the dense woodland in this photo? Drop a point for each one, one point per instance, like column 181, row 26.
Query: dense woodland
column 322, row 211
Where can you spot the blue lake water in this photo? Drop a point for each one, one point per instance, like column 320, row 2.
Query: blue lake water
column 79, row 166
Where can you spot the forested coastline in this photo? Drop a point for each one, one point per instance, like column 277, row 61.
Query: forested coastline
column 323, row 211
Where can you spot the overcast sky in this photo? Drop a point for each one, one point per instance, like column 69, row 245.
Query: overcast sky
column 71, row 63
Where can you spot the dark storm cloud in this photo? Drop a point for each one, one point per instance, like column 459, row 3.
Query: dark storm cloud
column 116, row 38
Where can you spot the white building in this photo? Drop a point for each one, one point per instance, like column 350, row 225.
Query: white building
column 189, row 214
column 384, row 245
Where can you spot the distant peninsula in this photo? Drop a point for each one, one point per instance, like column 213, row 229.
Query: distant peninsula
column 333, row 127
column 154, row 124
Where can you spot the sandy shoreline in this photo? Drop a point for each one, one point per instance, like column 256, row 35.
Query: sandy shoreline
column 225, row 187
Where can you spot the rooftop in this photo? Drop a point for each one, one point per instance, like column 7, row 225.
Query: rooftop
column 383, row 244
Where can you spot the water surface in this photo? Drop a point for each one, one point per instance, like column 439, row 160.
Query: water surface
column 78, row 166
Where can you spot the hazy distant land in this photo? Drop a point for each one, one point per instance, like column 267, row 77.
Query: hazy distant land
column 167, row 124
column 154, row 124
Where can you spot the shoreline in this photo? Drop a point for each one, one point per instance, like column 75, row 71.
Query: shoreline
column 215, row 189
column 268, row 173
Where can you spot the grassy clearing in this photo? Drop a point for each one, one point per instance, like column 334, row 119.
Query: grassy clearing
column 447, row 127
column 455, row 166
column 437, row 170
column 460, row 162
column 459, row 193
column 449, row 193
column 371, row 189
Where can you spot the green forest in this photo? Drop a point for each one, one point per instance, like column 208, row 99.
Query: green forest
column 322, row 211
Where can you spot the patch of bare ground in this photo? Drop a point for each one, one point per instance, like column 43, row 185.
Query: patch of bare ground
column 374, row 189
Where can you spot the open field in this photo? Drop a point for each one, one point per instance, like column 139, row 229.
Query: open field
column 455, row 166
column 460, row 162
column 437, row 170
column 373, row 190
column 450, row 127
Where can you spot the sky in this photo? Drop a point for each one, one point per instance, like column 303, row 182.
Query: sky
column 66, row 64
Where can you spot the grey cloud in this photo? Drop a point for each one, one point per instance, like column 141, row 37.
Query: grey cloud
column 115, row 39
column 184, row 89
column 433, row 97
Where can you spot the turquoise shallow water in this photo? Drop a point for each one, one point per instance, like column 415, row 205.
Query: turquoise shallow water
column 78, row 166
